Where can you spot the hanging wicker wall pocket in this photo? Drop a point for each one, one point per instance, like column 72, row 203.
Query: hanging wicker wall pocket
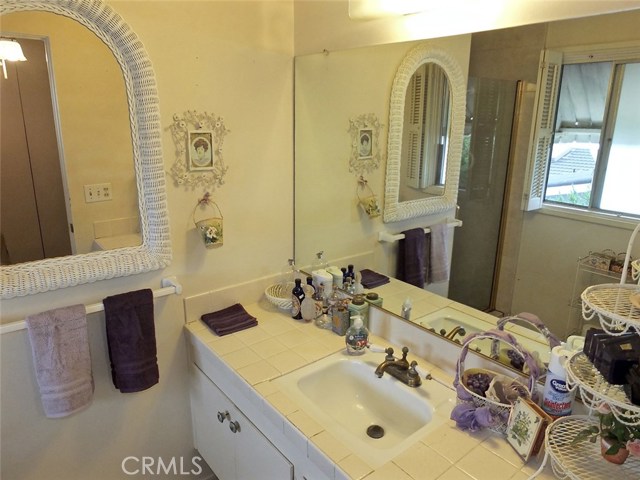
column 367, row 200
column 210, row 228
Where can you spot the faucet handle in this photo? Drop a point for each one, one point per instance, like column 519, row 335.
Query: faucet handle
column 389, row 352
column 405, row 351
column 413, row 377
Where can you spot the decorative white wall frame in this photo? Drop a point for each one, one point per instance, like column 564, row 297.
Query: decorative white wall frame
column 365, row 154
column 183, row 129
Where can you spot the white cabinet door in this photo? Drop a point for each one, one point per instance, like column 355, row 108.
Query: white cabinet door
column 213, row 439
column 234, row 448
column 256, row 457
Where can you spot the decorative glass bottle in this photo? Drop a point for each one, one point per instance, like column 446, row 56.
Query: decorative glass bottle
column 297, row 296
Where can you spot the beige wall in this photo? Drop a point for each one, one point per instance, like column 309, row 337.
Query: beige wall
column 231, row 58
column 322, row 24
column 331, row 89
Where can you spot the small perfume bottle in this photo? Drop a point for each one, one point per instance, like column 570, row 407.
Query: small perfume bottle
column 297, row 296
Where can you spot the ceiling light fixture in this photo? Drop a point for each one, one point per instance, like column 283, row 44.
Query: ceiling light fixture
column 10, row 51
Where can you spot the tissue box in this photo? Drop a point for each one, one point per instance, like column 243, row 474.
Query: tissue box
column 599, row 260
column 633, row 388
column 616, row 356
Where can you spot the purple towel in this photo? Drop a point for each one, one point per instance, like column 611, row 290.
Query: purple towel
column 229, row 320
column 411, row 257
column 371, row 279
column 131, row 338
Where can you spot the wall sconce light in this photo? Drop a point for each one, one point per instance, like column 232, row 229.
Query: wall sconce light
column 10, row 51
column 370, row 9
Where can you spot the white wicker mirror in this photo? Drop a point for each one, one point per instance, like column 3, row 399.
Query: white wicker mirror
column 395, row 210
column 144, row 114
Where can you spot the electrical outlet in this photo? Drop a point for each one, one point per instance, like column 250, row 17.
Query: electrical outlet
column 97, row 192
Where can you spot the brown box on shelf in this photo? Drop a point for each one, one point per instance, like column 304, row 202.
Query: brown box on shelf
column 599, row 260
column 633, row 388
column 617, row 356
column 590, row 341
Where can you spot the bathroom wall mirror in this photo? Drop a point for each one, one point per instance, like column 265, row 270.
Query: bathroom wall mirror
column 426, row 121
column 144, row 123
column 333, row 225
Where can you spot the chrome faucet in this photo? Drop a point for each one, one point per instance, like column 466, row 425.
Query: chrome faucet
column 400, row 368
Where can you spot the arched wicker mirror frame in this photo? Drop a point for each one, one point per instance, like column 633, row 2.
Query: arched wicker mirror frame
column 144, row 115
column 395, row 210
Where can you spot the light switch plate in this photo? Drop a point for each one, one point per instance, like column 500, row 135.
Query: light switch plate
column 97, row 192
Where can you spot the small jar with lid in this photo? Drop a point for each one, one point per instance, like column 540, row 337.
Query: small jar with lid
column 359, row 306
column 374, row 299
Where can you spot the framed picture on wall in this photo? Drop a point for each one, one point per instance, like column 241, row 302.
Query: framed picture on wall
column 200, row 150
column 365, row 143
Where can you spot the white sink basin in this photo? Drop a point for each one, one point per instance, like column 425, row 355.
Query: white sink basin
column 448, row 318
column 344, row 395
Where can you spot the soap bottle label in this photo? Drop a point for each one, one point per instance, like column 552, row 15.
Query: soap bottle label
column 357, row 342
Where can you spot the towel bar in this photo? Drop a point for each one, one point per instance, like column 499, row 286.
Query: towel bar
column 389, row 237
column 170, row 285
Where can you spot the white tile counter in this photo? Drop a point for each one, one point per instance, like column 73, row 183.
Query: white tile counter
column 250, row 359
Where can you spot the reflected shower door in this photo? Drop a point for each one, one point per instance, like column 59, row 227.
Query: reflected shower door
column 481, row 194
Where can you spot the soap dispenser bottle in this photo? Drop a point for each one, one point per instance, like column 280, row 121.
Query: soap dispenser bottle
column 357, row 337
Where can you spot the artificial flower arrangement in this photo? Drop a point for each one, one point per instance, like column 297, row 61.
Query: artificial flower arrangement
column 618, row 439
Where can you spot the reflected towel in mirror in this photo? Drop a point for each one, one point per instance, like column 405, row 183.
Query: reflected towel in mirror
column 438, row 266
column 412, row 257
column 371, row 279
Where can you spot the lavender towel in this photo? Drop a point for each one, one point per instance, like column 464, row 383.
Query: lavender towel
column 131, row 338
column 371, row 279
column 439, row 254
column 62, row 360
column 411, row 257
column 229, row 320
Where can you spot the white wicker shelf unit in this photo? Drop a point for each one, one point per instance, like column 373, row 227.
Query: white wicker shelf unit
column 617, row 314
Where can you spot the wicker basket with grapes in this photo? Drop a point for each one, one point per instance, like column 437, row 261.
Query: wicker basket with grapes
column 493, row 392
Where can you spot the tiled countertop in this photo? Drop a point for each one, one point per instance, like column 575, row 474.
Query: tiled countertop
column 279, row 345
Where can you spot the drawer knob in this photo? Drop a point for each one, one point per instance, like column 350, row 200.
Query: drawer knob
column 222, row 416
column 234, row 426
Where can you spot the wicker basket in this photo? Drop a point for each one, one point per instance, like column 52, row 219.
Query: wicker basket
column 529, row 319
column 500, row 411
column 280, row 295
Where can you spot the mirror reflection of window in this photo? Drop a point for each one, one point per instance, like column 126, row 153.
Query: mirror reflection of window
column 426, row 132
column 578, row 148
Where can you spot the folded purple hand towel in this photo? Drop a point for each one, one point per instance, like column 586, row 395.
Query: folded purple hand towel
column 371, row 279
column 229, row 320
column 131, row 338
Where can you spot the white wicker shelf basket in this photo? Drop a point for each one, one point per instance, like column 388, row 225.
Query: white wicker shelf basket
column 611, row 304
column 595, row 390
column 582, row 461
